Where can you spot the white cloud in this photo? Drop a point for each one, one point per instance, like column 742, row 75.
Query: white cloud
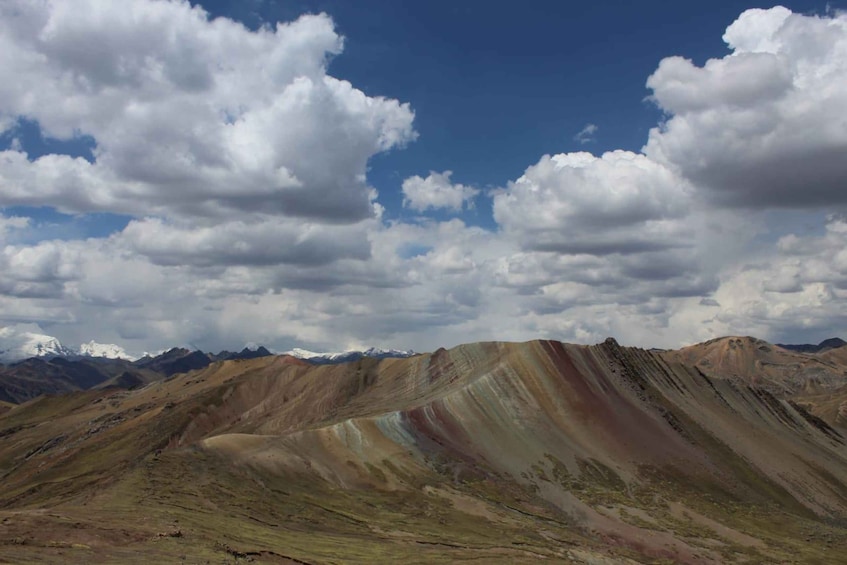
column 36, row 271
column 586, row 134
column 792, row 291
column 764, row 126
column 436, row 191
column 11, row 224
column 244, row 167
column 268, row 241
column 190, row 117
column 621, row 202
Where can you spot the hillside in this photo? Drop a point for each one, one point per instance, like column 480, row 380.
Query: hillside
column 33, row 377
column 498, row 452
column 5, row 406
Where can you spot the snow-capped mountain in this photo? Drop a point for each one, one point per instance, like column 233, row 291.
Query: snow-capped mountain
column 24, row 341
column 15, row 345
column 343, row 357
column 27, row 340
column 107, row 350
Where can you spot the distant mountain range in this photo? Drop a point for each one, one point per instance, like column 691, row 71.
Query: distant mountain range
column 344, row 357
column 56, row 374
column 831, row 343
column 52, row 368
column 18, row 346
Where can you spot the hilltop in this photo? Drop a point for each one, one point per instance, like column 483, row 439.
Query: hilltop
column 753, row 361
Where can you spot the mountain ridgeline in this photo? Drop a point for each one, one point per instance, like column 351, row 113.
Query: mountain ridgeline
column 58, row 374
column 30, row 378
column 734, row 450
column 825, row 345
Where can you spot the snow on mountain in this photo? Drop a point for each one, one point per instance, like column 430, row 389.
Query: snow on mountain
column 16, row 345
column 384, row 353
column 26, row 340
column 306, row 354
column 342, row 357
column 107, row 350
column 23, row 341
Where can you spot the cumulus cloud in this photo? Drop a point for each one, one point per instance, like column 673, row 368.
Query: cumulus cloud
column 190, row 116
column 763, row 126
column 36, row 271
column 791, row 291
column 621, row 202
column 243, row 165
column 436, row 191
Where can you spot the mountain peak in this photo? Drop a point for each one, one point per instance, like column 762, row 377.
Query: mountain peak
column 246, row 353
column 832, row 343
column 15, row 346
column 106, row 350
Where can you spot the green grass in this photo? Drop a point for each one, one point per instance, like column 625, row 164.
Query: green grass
column 216, row 505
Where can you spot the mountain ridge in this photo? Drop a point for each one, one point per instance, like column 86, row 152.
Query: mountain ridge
column 780, row 370
column 20, row 381
column 19, row 346
column 827, row 344
column 496, row 451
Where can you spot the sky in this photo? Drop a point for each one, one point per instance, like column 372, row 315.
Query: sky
column 334, row 175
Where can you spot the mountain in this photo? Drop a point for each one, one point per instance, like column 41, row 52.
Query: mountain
column 494, row 452
column 104, row 366
column 347, row 356
column 18, row 345
column 751, row 361
column 246, row 353
column 15, row 346
column 175, row 360
column 180, row 360
column 28, row 379
column 21, row 345
column 827, row 344
column 107, row 350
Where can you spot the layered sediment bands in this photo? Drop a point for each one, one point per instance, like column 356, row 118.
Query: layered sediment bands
column 534, row 410
column 510, row 451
